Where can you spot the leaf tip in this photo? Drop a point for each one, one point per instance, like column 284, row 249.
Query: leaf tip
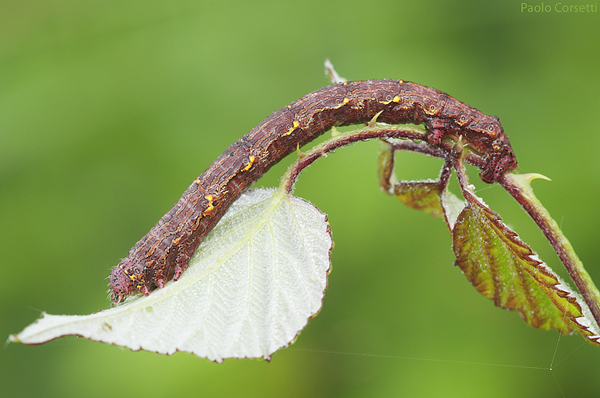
column 13, row 338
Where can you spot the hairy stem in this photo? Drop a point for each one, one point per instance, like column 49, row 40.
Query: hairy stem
column 414, row 139
column 373, row 130
column 518, row 186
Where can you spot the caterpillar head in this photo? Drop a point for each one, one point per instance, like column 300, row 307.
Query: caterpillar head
column 501, row 160
column 124, row 280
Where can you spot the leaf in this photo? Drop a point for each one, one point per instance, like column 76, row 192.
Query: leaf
column 420, row 195
column 452, row 207
column 385, row 167
column 504, row 269
column 256, row 280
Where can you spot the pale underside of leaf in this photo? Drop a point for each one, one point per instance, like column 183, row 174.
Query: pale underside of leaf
column 452, row 206
column 250, row 289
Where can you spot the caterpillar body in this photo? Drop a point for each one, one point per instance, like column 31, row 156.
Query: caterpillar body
column 165, row 251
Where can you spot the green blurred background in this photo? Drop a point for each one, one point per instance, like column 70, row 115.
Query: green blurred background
column 108, row 110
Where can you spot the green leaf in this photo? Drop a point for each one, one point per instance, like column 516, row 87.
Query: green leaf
column 420, row 195
column 256, row 280
column 504, row 269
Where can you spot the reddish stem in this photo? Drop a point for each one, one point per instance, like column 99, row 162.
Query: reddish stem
column 559, row 243
column 447, row 150
column 365, row 134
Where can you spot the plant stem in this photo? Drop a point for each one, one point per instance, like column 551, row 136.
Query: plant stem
column 411, row 136
column 372, row 131
column 518, row 186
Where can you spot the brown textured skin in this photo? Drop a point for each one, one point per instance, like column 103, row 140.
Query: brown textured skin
column 164, row 253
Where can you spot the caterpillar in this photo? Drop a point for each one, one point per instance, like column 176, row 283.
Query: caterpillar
column 165, row 251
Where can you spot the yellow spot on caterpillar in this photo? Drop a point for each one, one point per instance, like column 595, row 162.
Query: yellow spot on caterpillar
column 250, row 163
column 335, row 132
column 197, row 181
column 396, row 99
column 343, row 102
column 431, row 110
column 130, row 276
column 295, row 125
column 210, row 208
